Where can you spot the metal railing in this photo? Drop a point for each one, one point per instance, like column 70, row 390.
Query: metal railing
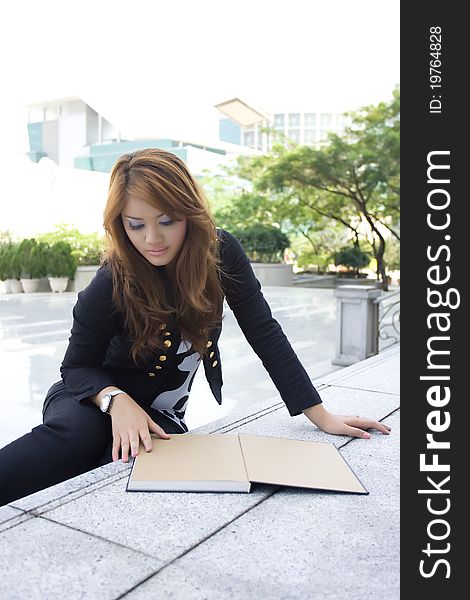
column 389, row 319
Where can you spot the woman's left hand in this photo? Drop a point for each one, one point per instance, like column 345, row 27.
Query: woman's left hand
column 354, row 426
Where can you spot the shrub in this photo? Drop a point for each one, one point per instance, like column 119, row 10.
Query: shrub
column 60, row 261
column 353, row 258
column 3, row 263
column 86, row 247
column 32, row 258
column 9, row 261
column 263, row 243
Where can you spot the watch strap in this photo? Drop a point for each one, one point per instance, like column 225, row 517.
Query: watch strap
column 113, row 393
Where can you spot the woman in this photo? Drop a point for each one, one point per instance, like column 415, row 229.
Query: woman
column 152, row 313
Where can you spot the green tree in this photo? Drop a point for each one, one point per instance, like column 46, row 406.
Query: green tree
column 244, row 210
column 315, row 235
column 392, row 254
column 317, row 242
column 353, row 179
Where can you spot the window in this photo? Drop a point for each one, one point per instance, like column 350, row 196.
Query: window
column 249, row 138
column 294, row 119
column 310, row 136
column 294, row 135
column 279, row 120
column 310, row 119
column 326, row 119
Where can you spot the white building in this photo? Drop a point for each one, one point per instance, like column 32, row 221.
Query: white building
column 296, row 124
column 73, row 134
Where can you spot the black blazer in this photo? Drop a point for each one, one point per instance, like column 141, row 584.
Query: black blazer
column 98, row 352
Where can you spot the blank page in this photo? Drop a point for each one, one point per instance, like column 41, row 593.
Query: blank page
column 191, row 457
column 298, row 463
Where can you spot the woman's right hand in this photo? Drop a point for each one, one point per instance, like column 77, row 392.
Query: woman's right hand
column 130, row 422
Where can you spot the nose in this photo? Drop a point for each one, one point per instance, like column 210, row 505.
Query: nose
column 154, row 236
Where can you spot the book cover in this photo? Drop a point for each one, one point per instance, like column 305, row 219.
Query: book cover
column 231, row 462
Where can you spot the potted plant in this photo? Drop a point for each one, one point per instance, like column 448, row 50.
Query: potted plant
column 353, row 259
column 87, row 249
column 61, row 265
column 265, row 246
column 10, row 269
column 33, row 263
column 3, row 266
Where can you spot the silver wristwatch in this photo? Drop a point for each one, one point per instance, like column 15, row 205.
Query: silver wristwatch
column 106, row 400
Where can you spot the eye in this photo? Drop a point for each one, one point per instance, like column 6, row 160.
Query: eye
column 132, row 226
column 166, row 223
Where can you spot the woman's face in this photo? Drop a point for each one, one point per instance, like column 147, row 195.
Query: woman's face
column 150, row 229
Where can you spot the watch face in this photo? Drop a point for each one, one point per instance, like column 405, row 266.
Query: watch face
column 105, row 400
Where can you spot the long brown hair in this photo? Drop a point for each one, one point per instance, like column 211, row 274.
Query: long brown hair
column 141, row 292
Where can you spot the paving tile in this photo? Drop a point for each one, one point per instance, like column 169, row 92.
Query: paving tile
column 302, row 543
column 382, row 377
column 10, row 517
column 161, row 524
column 9, row 512
column 345, row 401
column 43, row 560
column 70, row 488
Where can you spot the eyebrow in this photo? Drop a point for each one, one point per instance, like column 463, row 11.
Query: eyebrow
column 140, row 218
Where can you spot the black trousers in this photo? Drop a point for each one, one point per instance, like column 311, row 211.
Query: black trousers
column 75, row 437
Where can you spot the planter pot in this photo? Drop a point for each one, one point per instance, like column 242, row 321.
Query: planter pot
column 5, row 286
column 13, row 286
column 82, row 278
column 274, row 273
column 30, row 285
column 58, row 284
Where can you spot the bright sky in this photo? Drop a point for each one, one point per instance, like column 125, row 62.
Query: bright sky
column 162, row 65
column 156, row 68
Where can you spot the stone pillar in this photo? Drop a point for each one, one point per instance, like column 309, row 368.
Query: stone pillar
column 357, row 319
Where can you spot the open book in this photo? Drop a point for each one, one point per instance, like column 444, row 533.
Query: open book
column 231, row 462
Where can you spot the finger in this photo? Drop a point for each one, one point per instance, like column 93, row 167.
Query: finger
column 356, row 432
column 134, row 445
column 157, row 429
column 115, row 450
column 125, row 450
column 369, row 424
column 146, row 440
column 379, row 426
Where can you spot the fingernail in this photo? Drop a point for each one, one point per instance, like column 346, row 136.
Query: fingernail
column 366, row 435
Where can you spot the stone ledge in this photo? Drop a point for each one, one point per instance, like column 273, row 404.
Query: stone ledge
column 217, row 545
